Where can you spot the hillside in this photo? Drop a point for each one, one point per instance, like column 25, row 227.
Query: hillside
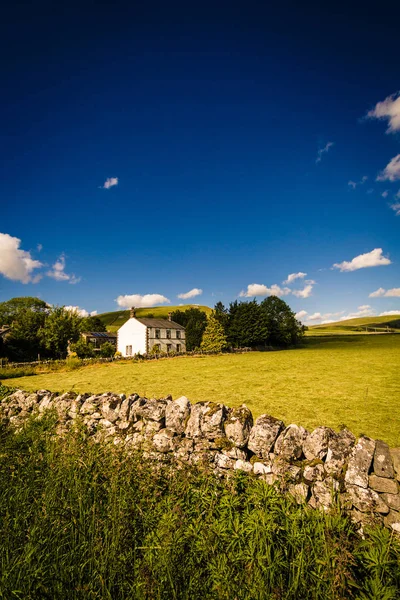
column 359, row 325
column 113, row 320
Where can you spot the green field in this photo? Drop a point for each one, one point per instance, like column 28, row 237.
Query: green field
column 115, row 319
column 342, row 380
column 360, row 325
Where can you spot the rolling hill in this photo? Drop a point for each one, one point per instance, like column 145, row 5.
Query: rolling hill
column 386, row 324
column 113, row 320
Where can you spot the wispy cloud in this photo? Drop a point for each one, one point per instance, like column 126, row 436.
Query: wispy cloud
column 109, row 183
column 17, row 264
column 354, row 184
column 392, row 170
column 389, row 313
column 381, row 292
column 301, row 314
column 362, row 311
column 396, row 208
column 385, row 194
column 58, row 273
column 140, row 301
column 81, row 311
column 369, row 259
column 323, row 151
column 324, row 317
column 388, row 109
column 304, row 293
column 191, row 294
column 293, row 276
column 258, row 289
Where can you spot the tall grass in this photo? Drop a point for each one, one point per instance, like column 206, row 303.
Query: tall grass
column 80, row 520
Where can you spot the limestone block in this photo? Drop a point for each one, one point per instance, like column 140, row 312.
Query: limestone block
column 316, row 443
column 236, row 453
column 383, row 465
column 382, row 484
column 360, row 462
column 316, row 473
column 392, row 520
column 243, row 465
column 151, row 410
column 212, row 421
column 366, row 500
column 163, row 440
column 224, row 462
column 238, row 425
column 392, row 501
column 290, row 442
column 263, row 435
column 324, row 492
column 299, row 491
column 193, row 426
column 340, row 446
column 395, row 454
column 262, row 469
column 177, row 413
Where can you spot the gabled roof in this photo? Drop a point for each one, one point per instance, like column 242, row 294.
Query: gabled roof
column 160, row 323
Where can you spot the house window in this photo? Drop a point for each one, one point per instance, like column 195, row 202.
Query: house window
column 169, row 347
column 157, row 334
column 178, row 334
column 168, row 334
column 178, row 347
column 128, row 351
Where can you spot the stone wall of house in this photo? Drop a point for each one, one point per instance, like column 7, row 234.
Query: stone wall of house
column 318, row 468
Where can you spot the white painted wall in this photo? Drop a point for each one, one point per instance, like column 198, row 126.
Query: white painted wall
column 132, row 333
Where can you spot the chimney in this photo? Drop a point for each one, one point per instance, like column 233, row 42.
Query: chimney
column 132, row 313
column 169, row 316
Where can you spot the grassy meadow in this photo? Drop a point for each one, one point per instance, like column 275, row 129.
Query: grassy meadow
column 335, row 381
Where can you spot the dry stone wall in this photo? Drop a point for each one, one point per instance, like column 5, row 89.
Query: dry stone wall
column 320, row 468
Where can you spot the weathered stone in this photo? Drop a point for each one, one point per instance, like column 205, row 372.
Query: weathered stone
column 381, row 484
column 263, row 435
column 223, row 462
column 238, row 425
column 163, row 440
column 236, row 453
column 363, row 519
column 243, row 465
column 285, row 471
column 152, row 427
column 395, row 454
column 392, row 520
column 151, row 410
column 299, row 491
column 110, row 408
column 316, row 473
column 262, row 469
column 125, row 408
column 366, row 500
column 177, row 414
column 392, row 501
column 340, row 446
column 360, row 462
column 316, row 443
column 383, row 465
column 212, row 422
column 193, row 426
column 105, row 423
column 290, row 442
column 324, row 492
column 124, row 425
column 89, row 406
column 45, row 402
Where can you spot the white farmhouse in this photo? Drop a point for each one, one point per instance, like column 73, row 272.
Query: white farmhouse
column 141, row 335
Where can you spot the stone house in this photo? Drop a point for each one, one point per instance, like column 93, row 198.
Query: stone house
column 141, row 335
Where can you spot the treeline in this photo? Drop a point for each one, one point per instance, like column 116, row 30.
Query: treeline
column 37, row 329
column 244, row 324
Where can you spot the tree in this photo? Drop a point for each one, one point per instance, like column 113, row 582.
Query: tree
column 221, row 314
column 283, row 328
column 25, row 316
column 92, row 323
column 214, row 338
column 60, row 328
column 83, row 349
column 107, row 350
column 194, row 321
column 245, row 325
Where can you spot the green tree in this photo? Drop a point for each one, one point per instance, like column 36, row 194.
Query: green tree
column 245, row 325
column 60, row 328
column 283, row 328
column 107, row 350
column 214, row 338
column 25, row 316
column 194, row 321
column 92, row 323
column 221, row 314
column 82, row 349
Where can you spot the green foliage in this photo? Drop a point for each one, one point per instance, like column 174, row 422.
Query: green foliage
column 91, row 324
column 25, row 316
column 107, row 350
column 214, row 338
column 82, row 349
column 85, row 521
column 280, row 322
column 60, row 328
column 246, row 328
column 195, row 321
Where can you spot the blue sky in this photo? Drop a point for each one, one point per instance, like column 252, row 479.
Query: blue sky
column 156, row 150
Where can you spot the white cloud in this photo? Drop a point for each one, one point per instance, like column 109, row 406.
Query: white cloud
column 365, row 310
column 109, row 182
column 389, row 313
column 354, row 184
column 39, row 247
column 191, row 294
column 396, row 208
column 326, row 317
column 370, row 191
column 58, row 273
column 392, row 170
column 388, row 109
column 139, row 301
column 293, row 276
column 299, row 315
column 369, row 259
column 385, row 194
column 17, row 264
column 381, row 292
column 81, row 311
column 304, row 293
column 323, row 150
column 258, row 289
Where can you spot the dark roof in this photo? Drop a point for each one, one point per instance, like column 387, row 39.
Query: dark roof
column 100, row 334
column 160, row 323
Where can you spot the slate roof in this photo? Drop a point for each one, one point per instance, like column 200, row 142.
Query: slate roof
column 160, row 323
column 100, row 334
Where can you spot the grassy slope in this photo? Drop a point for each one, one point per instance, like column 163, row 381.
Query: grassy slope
column 113, row 320
column 356, row 326
column 353, row 380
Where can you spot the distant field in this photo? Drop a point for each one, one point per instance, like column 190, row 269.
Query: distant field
column 342, row 380
column 115, row 319
column 360, row 325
